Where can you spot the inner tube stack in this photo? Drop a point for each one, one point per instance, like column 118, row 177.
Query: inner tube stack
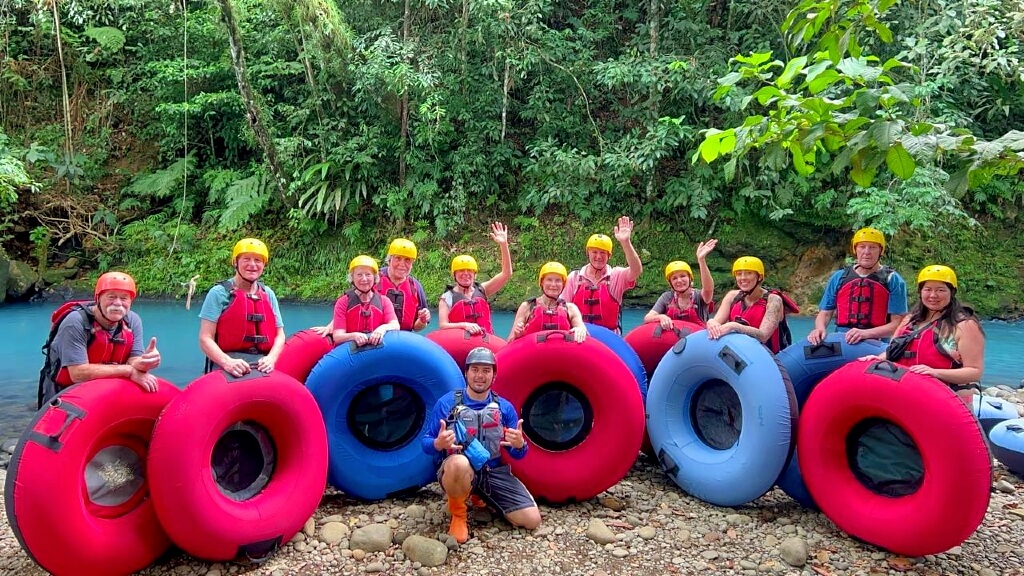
column 894, row 459
column 582, row 414
column 77, row 491
column 721, row 415
column 806, row 364
column 374, row 401
column 237, row 465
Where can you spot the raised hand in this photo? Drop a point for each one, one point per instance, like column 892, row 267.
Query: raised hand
column 514, row 436
column 499, row 233
column 705, row 248
column 446, row 438
column 624, row 229
column 150, row 358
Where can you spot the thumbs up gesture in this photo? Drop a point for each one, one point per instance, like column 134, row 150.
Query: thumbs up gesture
column 445, row 439
column 149, row 359
column 514, row 437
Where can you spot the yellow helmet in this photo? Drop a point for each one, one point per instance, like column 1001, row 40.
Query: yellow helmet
column 552, row 268
column 677, row 266
column 748, row 263
column 402, row 247
column 600, row 241
column 363, row 260
column 938, row 273
column 464, row 262
column 867, row 235
column 250, row 246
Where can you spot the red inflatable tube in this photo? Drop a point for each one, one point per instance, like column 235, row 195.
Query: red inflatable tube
column 650, row 341
column 458, row 342
column 237, row 466
column 951, row 500
column 301, row 352
column 605, row 447
column 76, row 491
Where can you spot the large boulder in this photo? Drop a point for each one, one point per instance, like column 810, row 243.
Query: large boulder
column 5, row 274
column 22, row 281
column 58, row 275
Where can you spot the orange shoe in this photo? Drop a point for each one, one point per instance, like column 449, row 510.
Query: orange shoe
column 459, row 529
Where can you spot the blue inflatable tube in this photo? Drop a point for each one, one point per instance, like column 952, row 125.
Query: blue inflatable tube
column 623, row 351
column 721, row 416
column 1007, row 441
column 991, row 411
column 374, row 401
column 807, row 364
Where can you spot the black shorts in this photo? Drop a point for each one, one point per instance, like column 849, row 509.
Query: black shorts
column 499, row 488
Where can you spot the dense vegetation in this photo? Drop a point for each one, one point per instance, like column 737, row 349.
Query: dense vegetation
column 151, row 134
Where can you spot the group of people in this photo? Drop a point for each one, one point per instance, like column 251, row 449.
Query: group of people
column 242, row 330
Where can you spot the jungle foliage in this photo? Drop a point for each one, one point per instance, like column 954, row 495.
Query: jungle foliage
column 185, row 119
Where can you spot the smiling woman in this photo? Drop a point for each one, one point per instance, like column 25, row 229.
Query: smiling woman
column 940, row 338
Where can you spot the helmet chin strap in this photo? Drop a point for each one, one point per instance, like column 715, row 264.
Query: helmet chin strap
column 745, row 293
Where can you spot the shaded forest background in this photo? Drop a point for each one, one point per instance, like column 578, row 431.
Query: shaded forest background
column 149, row 135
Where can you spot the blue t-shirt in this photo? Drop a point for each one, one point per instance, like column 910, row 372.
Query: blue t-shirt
column 897, row 292
column 443, row 407
column 217, row 300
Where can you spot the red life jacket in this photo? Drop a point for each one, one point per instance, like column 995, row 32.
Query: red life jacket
column 752, row 316
column 690, row 314
column 924, row 349
column 542, row 318
column 863, row 301
column 596, row 303
column 473, row 308
column 248, row 323
column 102, row 346
column 404, row 297
column 363, row 316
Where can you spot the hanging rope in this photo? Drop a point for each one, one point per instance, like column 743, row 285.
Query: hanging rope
column 184, row 178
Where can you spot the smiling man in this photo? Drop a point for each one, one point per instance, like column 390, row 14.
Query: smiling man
column 597, row 288
column 241, row 324
column 102, row 339
column 867, row 299
column 467, row 430
column 402, row 288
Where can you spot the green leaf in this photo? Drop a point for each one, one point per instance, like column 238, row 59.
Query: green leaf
column 755, row 59
column 792, row 67
column 110, row 39
column 799, row 164
column 766, row 94
column 884, row 133
column 727, row 143
column 900, row 162
column 709, row 147
column 823, row 81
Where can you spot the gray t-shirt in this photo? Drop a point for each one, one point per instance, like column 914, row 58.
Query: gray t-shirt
column 705, row 310
column 71, row 342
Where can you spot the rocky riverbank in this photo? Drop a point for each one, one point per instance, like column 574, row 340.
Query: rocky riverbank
column 642, row 526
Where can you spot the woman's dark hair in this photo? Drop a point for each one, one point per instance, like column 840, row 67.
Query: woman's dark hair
column 954, row 313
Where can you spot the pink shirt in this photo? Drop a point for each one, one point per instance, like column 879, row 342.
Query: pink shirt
column 341, row 311
column 617, row 279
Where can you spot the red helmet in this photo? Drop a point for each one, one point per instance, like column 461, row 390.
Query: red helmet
column 115, row 281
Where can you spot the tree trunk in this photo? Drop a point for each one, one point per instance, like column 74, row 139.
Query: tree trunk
column 253, row 110
column 404, row 111
column 66, row 101
column 653, row 95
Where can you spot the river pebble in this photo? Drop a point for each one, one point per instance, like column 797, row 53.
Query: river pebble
column 644, row 526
